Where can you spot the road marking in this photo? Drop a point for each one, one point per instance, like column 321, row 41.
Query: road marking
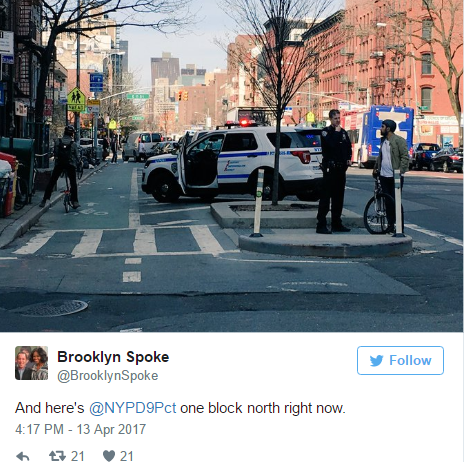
column 175, row 210
column 135, row 329
column 134, row 215
column 352, row 189
column 88, row 244
column 434, row 234
column 144, row 242
column 308, row 283
column 133, row 261
column 8, row 258
column 35, row 243
column 131, row 276
column 205, row 240
column 180, row 222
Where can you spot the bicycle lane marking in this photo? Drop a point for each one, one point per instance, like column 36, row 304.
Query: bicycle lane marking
column 434, row 234
column 35, row 243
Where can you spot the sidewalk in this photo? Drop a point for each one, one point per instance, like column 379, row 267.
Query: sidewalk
column 20, row 221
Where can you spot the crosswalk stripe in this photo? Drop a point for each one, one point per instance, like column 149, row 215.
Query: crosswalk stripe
column 89, row 243
column 144, row 242
column 205, row 239
column 35, row 243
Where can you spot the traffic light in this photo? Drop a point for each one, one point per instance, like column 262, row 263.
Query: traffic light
column 186, row 95
column 179, row 96
column 298, row 101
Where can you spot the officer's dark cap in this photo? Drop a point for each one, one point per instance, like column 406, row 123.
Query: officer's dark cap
column 391, row 124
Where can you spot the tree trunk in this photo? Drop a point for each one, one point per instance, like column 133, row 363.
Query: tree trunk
column 45, row 63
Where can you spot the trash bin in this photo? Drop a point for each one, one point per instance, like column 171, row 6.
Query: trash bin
column 23, row 150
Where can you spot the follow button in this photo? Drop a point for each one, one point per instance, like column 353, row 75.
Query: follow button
column 401, row 360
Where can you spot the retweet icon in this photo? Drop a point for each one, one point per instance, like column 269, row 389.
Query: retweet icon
column 376, row 361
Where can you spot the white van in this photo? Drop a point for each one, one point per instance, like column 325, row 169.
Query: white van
column 132, row 149
column 227, row 162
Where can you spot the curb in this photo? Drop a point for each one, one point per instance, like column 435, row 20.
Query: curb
column 331, row 246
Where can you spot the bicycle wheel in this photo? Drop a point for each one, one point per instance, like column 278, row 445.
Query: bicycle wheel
column 22, row 194
column 375, row 213
column 79, row 170
column 66, row 201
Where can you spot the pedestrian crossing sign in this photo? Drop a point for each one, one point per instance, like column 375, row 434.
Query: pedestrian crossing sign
column 76, row 100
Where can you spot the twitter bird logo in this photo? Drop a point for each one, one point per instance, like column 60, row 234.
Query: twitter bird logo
column 376, row 361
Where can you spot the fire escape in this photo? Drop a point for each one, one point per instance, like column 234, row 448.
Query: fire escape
column 27, row 66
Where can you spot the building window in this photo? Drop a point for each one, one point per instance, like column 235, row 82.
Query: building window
column 426, row 64
column 426, row 99
column 427, row 29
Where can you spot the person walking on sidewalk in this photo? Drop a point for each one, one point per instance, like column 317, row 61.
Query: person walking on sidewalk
column 393, row 155
column 66, row 155
column 336, row 158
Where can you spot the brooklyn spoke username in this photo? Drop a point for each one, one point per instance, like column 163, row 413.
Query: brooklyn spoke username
column 65, row 376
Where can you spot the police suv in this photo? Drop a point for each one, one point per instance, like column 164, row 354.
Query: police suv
column 227, row 162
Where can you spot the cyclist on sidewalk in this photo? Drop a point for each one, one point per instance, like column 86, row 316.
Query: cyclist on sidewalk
column 66, row 155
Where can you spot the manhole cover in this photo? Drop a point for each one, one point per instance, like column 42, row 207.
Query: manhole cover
column 51, row 309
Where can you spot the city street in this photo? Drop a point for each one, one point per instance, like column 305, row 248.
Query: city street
column 146, row 266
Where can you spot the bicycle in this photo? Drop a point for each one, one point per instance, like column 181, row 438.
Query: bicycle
column 67, row 194
column 375, row 212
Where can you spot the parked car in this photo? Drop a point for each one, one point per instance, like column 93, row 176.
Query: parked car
column 422, row 154
column 131, row 147
column 447, row 159
column 227, row 162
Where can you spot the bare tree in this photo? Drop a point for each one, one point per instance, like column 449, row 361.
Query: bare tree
column 279, row 61
column 82, row 16
column 436, row 38
column 445, row 19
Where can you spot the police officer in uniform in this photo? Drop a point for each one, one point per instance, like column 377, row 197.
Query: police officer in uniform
column 336, row 157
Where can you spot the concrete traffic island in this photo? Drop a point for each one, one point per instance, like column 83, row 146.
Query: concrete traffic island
column 290, row 229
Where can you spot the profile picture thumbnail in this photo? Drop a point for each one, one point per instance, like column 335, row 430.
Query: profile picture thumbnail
column 31, row 363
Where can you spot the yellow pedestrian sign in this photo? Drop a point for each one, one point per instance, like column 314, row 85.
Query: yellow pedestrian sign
column 76, row 100
column 310, row 117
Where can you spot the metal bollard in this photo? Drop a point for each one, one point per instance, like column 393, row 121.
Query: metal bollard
column 258, row 202
column 399, row 218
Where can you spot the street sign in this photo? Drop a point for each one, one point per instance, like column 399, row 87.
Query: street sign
column 76, row 100
column 137, row 95
column 93, row 106
column 288, row 110
column 112, row 125
column 7, row 59
column 310, row 117
column 6, row 42
column 138, row 117
column 96, row 82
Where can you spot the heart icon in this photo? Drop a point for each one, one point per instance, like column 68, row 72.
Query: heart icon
column 108, row 455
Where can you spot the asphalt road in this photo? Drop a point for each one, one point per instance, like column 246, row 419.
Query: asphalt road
column 189, row 275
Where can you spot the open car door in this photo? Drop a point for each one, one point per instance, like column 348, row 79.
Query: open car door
column 198, row 165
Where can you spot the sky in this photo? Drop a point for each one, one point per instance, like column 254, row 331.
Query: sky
column 194, row 48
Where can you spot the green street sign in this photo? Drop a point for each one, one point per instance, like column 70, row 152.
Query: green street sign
column 138, row 117
column 137, row 95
